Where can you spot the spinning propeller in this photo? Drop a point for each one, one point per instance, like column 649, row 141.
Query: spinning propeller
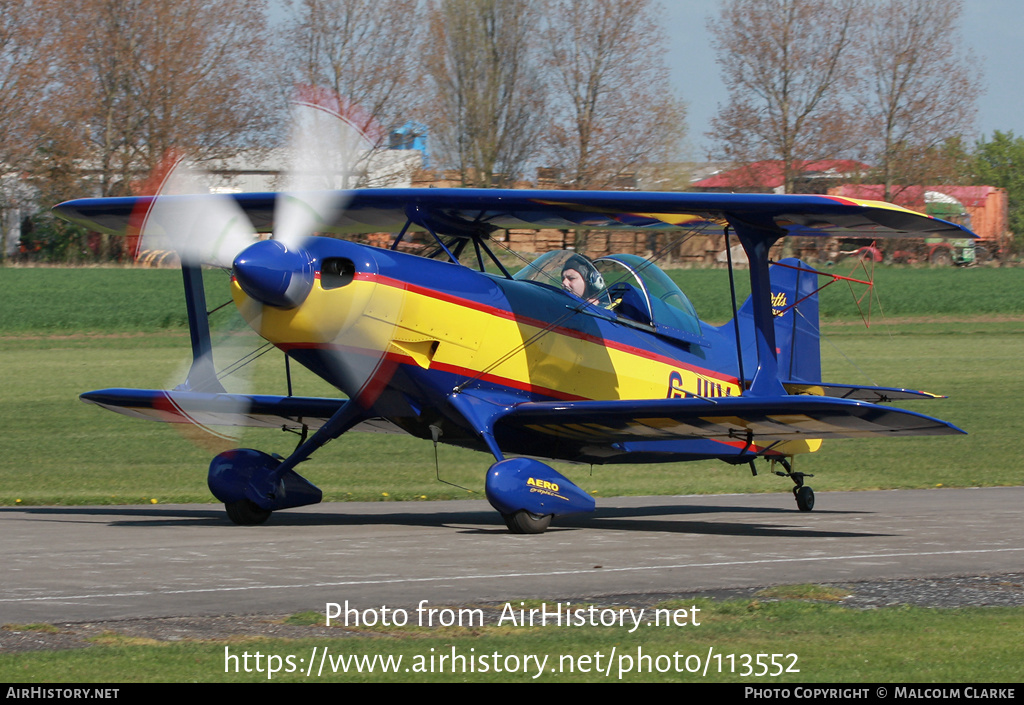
column 329, row 137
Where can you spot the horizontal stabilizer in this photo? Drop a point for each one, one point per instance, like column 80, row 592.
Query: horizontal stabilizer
column 259, row 410
column 755, row 419
column 875, row 395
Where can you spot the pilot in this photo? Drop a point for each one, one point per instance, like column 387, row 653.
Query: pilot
column 580, row 277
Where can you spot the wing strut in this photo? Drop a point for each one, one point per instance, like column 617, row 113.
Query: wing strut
column 757, row 239
column 735, row 317
column 202, row 375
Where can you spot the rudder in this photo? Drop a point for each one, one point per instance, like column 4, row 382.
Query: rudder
column 794, row 288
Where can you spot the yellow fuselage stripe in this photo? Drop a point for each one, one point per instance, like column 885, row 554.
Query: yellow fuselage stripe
column 382, row 318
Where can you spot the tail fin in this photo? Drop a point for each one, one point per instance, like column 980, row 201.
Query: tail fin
column 795, row 305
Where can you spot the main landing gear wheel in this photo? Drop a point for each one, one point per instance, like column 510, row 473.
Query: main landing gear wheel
column 524, row 522
column 804, row 498
column 245, row 512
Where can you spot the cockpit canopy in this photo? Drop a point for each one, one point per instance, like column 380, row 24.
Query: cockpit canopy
column 634, row 289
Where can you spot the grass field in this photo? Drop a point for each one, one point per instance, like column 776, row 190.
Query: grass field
column 104, row 333
column 62, row 300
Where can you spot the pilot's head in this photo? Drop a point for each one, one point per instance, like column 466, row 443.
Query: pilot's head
column 580, row 277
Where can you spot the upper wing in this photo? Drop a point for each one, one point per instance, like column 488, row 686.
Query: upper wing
column 457, row 210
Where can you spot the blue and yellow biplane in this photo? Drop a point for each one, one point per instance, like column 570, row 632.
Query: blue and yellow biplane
column 525, row 367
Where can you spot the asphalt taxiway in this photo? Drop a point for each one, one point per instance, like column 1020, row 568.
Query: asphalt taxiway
column 75, row 564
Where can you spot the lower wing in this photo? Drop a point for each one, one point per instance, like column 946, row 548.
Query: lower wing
column 256, row 410
column 751, row 419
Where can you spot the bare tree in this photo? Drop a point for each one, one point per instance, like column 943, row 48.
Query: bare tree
column 360, row 49
column 613, row 110
column 26, row 43
column 785, row 64
column 141, row 77
column 487, row 103
column 920, row 88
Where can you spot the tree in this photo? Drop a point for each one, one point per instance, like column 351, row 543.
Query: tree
column 786, row 65
column 141, row 77
column 26, row 43
column 359, row 49
column 920, row 90
column 25, row 40
column 487, row 101
column 950, row 162
column 1000, row 162
column 613, row 111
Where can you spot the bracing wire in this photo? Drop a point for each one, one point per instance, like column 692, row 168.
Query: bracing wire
column 241, row 362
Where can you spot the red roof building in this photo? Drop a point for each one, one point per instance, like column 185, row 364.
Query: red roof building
column 768, row 176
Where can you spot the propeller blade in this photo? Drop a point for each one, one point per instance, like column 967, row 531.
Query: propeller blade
column 330, row 141
column 203, row 228
column 331, row 138
column 236, row 347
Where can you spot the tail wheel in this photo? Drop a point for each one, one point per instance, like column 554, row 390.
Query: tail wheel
column 245, row 512
column 524, row 522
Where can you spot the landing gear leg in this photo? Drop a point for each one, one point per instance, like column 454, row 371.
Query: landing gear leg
column 803, row 494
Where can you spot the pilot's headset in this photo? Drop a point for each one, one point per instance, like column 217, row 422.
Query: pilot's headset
column 587, row 270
